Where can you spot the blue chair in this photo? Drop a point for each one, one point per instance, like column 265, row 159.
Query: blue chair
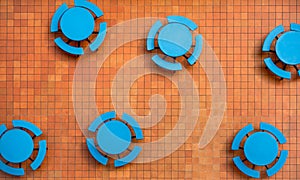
column 246, row 170
column 276, row 70
column 56, row 17
column 240, row 135
column 129, row 158
column 165, row 64
column 151, row 35
column 90, row 6
column 135, row 126
column 11, row 170
column 295, row 27
column 95, row 153
column 279, row 164
column 40, row 156
column 100, row 119
column 183, row 20
column 271, row 36
column 2, row 129
column 66, row 47
column 27, row 125
column 100, row 37
column 197, row 51
column 268, row 127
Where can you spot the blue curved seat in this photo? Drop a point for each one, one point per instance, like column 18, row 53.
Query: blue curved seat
column 100, row 119
column 129, row 158
column 27, row 125
column 95, row 153
column 57, row 15
column 100, row 37
column 90, row 6
column 274, row 131
column 11, row 170
column 151, row 35
column 246, row 170
column 66, row 47
column 295, row 27
column 197, row 51
column 298, row 72
column 276, row 70
column 135, row 126
column 240, row 135
column 165, row 64
column 279, row 164
column 270, row 37
column 40, row 156
column 183, row 20
column 2, row 129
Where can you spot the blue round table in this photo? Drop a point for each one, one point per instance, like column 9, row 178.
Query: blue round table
column 261, row 148
column 77, row 23
column 113, row 137
column 16, row 146
column 287, row 48
column 175, row 39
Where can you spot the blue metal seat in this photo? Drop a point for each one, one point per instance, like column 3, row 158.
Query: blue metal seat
column 295, row 27
column 90, row 6
column 100, row 37
column 129, row 158
column 151, row 35
column 246, row 170
column 95, row 153
column 240, row 135
column 66, row 47
column 57, row 15
column 276, row 70
column 270, row 37
column 11, row 170
column 268, row 127
column 197, row 51
column 100, row 119
column 135, row 126
column 27, row 125
column 183, row 20
column 279, row 164
column 40, row 156
column 165, row 64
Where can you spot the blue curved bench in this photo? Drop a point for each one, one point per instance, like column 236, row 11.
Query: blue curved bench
column 151, row 35
column 298, row 72
column 246, row 170
column 130, row 157
column 57, row 15
column 11, row 170
column 276, row 70
column 40, row 156
column 90, row 6
column 295, row 27
column 240, row 135
column 165, row 64
column 2, row 129
column 27, row 125
column 197, row 51
column 282, row 158
column 135, row 126
column 270, row 37
column 100, row 119
column 95, row 153
column 100, row 37
column 66, row 47
column 274, row 131
column 183, row 20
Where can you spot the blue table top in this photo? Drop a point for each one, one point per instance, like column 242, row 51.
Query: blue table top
column 77, row 23
column 16, row 146
column 261, row 148
column 175, row 39
column 287, row 48
column 113, row 137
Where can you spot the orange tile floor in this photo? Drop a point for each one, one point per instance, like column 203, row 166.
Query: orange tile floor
column 36, row 84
